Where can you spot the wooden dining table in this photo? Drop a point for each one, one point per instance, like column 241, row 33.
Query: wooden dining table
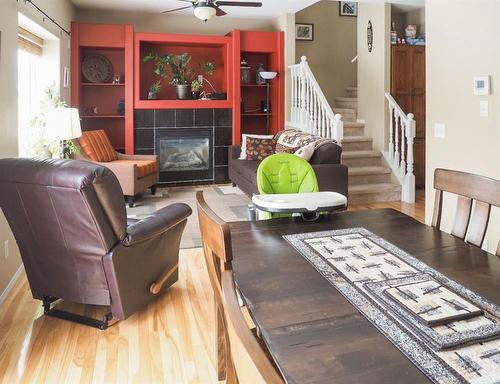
column 313, row 333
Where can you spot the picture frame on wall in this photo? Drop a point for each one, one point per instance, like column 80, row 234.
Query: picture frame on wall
column 304, row 32
column 348, row 8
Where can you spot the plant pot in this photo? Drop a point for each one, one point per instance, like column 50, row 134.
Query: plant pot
column 152, row 96
column 195, row 95
column 183, row 91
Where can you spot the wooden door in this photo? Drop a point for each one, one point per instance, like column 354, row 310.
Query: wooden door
column 408, row 89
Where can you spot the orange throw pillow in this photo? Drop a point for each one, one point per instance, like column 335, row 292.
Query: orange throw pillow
column 97, row 147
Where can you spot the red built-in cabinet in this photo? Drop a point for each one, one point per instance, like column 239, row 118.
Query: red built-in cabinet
column 98, row 102
column 266, row 48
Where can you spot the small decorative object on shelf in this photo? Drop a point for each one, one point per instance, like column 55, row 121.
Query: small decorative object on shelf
column 411, row 31
column 394, row 34
column 97, row 68
column 196, row 86
column 121, row 107
column 244, row 72
column 177, row 70
column 258, row 78
column 117, row 79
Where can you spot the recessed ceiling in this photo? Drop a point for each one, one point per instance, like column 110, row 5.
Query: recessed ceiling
column 270, row 8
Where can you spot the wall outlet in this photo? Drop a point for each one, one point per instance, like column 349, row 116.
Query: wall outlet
column 6, row 251
column 439, row 130
column 483, row 108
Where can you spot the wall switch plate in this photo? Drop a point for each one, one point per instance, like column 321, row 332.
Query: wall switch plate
column 6, row 252
column 483, row 108
column 439, row 130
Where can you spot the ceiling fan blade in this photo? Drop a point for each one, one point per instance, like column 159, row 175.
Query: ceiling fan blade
column 176, row 9
column 238, row 4
column 219, row 12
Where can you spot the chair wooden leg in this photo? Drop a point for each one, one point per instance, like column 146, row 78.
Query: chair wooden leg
column 220, row 340
column 153, row 189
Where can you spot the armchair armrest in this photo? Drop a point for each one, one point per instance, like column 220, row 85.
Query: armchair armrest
column 125, row 172
column 234, row 151
column 156, row 224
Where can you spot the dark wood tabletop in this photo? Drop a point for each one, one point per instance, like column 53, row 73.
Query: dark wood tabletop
column 314, row 334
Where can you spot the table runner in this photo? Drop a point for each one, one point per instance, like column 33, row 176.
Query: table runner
column 367, row 270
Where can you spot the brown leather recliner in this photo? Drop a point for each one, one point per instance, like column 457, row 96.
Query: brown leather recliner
column 70, row 223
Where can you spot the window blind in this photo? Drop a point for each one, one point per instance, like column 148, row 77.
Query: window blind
column 29, row 42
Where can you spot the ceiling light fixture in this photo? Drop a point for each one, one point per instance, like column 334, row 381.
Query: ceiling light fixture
column 204, row 10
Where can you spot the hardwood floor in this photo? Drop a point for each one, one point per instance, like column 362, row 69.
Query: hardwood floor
column 171, row 341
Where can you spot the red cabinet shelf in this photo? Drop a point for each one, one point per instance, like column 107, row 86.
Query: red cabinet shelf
column 102, row 84
column 182, row 104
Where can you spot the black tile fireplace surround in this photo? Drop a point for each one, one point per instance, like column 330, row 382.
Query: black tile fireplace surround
column 192, row 143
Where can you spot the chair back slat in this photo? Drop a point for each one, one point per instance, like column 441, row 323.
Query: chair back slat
column 250, row 362
column 216, row 238
column 484, row 192
column 462, row 217
column 478, row 223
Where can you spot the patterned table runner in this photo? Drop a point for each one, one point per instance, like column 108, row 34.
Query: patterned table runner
column 446, row 330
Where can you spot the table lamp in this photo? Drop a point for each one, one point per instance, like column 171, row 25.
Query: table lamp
column 63, row 124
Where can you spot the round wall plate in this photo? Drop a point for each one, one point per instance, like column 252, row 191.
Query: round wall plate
column 97, row 68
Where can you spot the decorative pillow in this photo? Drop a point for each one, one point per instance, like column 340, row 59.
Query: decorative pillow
column 281, row 148
column 243, row 154
column 97, row 147
column 258, row 148
column 306, row 152
column 298, row 139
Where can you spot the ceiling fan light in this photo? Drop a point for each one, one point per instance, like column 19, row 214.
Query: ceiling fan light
column 204, row 12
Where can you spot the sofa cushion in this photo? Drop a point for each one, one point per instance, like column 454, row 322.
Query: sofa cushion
column 97, row 147
column 246, row 168
column 258, row 148
column 328, row 153
column 144, row 167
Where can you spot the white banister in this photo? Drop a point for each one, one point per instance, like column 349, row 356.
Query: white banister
column 311, row 112
column 400, row 154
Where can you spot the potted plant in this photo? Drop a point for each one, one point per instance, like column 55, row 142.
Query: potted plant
column 178, row 71
column 153, row 91
column 196, row 86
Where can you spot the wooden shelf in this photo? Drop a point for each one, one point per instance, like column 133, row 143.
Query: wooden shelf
column 182, row 104
column 103, row 117
column 103, row 84
column 256, row 85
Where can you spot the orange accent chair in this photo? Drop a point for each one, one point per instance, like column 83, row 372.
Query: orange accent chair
column 136, row 173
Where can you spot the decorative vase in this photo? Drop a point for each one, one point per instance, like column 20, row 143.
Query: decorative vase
column 183, row 91
column 259, row 79
column 152, row 96
column 195, row 95
column 244, row 72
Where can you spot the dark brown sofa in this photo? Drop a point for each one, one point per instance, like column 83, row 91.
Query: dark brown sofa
column 69, row 220
column 326, row 162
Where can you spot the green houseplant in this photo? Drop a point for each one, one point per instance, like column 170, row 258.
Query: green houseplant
column 178, row 71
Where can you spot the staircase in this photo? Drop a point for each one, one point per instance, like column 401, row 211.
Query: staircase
column 369, row 177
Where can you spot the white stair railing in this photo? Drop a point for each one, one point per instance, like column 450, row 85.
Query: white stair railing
column 400, row 154
column 310, row 111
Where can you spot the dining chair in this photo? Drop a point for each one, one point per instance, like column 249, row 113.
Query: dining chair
column 469, row 224
column 216, row 240
column 250, row 363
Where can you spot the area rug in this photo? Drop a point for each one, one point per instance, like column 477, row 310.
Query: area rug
column 229, row 203
column 452, row 337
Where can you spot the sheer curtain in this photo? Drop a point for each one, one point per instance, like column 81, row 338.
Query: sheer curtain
column 30, row 94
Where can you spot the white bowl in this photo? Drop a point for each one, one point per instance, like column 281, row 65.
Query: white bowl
column 268, row 75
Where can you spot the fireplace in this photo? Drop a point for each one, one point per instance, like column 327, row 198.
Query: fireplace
column 186, row 155
column 192, row 143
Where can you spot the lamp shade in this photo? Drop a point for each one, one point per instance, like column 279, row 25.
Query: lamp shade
column 204, row 11
column 63, row 124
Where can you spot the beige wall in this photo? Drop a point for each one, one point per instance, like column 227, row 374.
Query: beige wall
column 156, row 22
column 62, row 11
column 472, row 143
column 334, row 45
column 374, row 70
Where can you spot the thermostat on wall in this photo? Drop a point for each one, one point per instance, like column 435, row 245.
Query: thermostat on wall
column 481, row 85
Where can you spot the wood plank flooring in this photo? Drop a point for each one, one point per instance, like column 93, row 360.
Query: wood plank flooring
column 171, row 341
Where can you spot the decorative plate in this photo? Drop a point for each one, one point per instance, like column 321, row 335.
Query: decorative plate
column 97, row 68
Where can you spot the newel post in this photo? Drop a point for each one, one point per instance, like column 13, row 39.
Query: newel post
column 408, row 192
column 338, row 128
column 303, row 63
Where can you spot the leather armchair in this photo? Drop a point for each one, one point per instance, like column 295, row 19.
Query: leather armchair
column 69, row 220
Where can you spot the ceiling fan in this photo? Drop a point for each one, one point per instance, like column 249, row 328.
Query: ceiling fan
column 206, row 9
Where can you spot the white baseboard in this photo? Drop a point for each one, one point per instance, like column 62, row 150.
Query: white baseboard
column 11, row 284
